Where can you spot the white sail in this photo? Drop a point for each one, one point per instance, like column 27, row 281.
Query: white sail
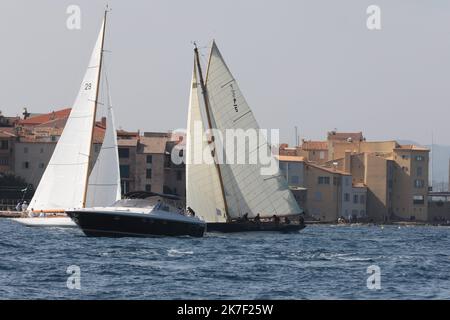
column 64, row 181
column 203, row 190
column 104, row 182
column 246, row 189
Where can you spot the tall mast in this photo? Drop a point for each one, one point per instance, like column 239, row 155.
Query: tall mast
column 95, row 108
column 208, row 115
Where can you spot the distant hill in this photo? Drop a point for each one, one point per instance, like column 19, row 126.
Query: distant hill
column 441, row 155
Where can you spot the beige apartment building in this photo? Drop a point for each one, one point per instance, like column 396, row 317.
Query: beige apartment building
column 396, row 176
column 7, row 139
column 145, row 164
column 325, row 194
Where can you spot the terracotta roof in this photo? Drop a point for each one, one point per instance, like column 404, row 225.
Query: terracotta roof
column 359, row 185
column 123, row 133
column 315, row 145
column 154, row 144
column 99, row 134
column 44, row 118
column 291, row 158
column 344, row 136
column 330, row 170
column 57, row 123
column 127, row 142
column 411, row 147
column 6, row 134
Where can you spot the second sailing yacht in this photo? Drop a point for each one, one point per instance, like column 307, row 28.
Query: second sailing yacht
column 231, row 197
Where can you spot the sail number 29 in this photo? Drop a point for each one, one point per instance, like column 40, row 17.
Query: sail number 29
column 88, row 86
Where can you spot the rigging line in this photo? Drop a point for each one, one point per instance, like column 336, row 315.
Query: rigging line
column 96, row 101
column 242, row 116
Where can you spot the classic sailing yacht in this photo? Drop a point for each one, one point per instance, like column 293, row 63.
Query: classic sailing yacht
column 231, row 197
column 68, row 182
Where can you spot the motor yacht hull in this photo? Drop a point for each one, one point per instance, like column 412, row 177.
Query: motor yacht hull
column 97, row 223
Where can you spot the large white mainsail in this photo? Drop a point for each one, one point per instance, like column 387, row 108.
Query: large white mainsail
column 104, row 182
column 63, row 185
column 246, row 189
column 203, row 190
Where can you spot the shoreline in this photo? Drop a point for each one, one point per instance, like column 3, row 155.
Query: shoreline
column 394, row 223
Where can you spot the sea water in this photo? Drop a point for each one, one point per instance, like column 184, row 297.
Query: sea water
column 320, row 262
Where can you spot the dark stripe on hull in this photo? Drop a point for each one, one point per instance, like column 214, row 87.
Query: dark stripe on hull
column 234, row 227
column 95, row 224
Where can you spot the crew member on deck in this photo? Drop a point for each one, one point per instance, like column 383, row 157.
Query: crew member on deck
column 245, row 218
column 257, row 218
column 276, row 219
column 287, row 221
column 191, row 211
column 24, row 206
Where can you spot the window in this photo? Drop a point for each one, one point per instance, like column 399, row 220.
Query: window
column 419, row 171
column 4, row 145
column 42, row 150
column 324, row 180
column 346, row 197
column 25, row 150
column 149, row 159
column 124, row 153
column 97, row 148
column 148, row 187
column 318, row 196
column 420, row 158
column 362, row 199
column 405, row 157
column 125, row 171
column 26, row 165
column 418, row 200
column 362, row 213
column 4, row 161
column 179, row 176
column 125, row 186
column 149, row 173
column 355, row 198
column 295, row 179
column 418, row 184
column 322, row 155
column 336, row 181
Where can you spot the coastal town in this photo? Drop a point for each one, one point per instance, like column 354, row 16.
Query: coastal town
column 345, row 177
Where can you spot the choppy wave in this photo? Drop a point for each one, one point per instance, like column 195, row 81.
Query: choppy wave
column 321, row 262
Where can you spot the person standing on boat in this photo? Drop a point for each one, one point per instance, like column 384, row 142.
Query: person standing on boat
column 24, row 206
column 19, row 206
column 257, row 218
column 276, row 219
column 287, row 221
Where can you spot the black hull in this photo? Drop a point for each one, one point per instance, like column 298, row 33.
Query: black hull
column 234, row 227
column 111, row 225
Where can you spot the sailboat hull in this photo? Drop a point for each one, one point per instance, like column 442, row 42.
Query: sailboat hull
column 116, row 225
column 234, row 227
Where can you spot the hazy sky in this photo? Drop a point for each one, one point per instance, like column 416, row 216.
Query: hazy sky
column 310, row 63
